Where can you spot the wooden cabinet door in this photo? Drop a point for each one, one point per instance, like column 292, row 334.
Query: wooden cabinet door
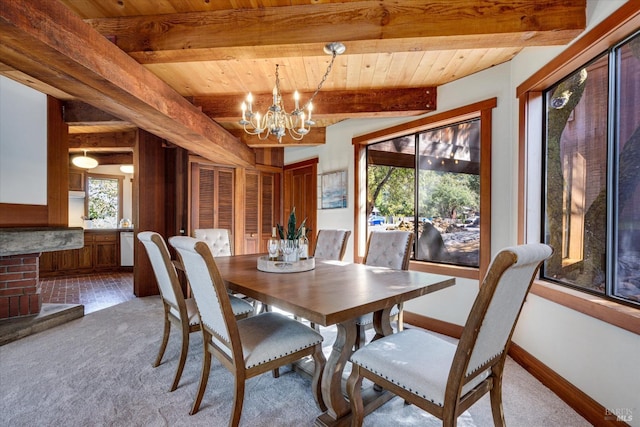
column 212, row 194
column 47, row 262
column 68, row 260
column 85, row 257
column 76, row 179
column 105, row 251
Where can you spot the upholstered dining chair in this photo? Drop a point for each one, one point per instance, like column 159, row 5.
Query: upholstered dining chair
column 441, row 377
column 247, row 347
column 218, row 239
column 388, row 249
column 177, row 310
column 221, row 243
column 331, row 244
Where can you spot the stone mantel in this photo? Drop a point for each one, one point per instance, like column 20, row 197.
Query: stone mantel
column 27, row 240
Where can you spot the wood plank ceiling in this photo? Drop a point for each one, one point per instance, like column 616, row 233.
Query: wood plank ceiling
column 211, row 53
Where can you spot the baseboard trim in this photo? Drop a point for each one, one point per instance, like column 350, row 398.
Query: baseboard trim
column 584, row 405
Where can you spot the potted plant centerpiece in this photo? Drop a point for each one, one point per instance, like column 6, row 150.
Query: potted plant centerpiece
column 290, row 237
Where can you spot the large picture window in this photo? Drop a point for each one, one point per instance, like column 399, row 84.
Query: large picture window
column 591, row 174
column 429, row 183
column 431, row 176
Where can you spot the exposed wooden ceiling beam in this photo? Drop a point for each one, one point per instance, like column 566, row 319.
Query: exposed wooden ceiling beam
column 49, row 42
column 78, row 113
column 332, row 104
column 364, row 26
column 109, row 158
column 108, row 141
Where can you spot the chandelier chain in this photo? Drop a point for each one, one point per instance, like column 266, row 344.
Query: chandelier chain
column 326, row 74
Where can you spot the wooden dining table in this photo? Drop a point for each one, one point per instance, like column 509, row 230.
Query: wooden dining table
column 333, row 293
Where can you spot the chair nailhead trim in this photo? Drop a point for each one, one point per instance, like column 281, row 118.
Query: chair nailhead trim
column 398, row 384
column 262, row 362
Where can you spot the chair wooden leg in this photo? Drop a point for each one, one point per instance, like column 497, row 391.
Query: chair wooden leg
column 165, row 339
column 495, row 395
column 238, row 401
column 204, row 376
column 354, row 391
column 276, row 373
column 400, row 317
column 183, row 356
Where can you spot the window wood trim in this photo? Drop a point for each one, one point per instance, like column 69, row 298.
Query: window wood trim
column 603, row 36
column 482, row 110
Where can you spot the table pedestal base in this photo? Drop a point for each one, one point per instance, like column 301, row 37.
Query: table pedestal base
column 372, row 401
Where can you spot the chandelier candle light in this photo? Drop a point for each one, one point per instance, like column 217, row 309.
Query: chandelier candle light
column 276, row 121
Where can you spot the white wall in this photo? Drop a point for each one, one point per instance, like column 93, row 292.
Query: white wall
column 23, row 144
column 598, row 358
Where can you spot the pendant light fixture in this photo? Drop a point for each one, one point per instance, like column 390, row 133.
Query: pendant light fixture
column 126, row 169
column 84, row 161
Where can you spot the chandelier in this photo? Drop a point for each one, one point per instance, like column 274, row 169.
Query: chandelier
column 276, row 121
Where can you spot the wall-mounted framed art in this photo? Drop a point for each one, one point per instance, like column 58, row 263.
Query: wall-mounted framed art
column 334, row 189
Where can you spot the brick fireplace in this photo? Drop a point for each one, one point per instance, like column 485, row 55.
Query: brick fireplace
column 20, row 250
column 19, row 290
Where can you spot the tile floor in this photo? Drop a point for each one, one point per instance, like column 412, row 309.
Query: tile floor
column 94, row 291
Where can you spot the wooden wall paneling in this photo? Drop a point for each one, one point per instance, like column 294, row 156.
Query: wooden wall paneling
column 182, row 190
column 176, row 188
column 17, row 215
column 149, row 198
column 57, row 165
column 270, row 156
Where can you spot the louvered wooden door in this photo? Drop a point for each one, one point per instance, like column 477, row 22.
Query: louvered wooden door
column 262, row 209
column 212, row 194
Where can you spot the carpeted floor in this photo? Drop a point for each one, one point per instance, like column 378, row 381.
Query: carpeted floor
column 96, row 371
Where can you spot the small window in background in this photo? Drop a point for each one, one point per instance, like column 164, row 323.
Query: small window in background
column 104, row 201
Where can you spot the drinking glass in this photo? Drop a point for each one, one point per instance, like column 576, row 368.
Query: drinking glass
column 272, row 246
column 289, row 250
